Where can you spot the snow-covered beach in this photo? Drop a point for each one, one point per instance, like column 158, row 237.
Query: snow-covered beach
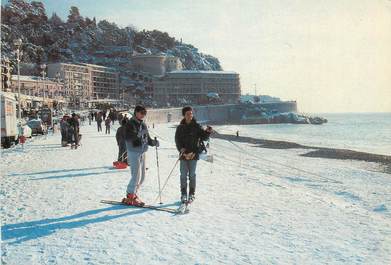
column 248, row 210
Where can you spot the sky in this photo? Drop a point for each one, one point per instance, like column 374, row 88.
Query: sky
column 329, row 55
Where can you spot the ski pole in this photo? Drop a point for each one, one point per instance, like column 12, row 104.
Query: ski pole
column 169, row 175
column 158, row 173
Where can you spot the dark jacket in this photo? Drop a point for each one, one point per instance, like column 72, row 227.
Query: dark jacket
column 137, row 136
column 120, row 135
column 189, row 136
column 73, row 122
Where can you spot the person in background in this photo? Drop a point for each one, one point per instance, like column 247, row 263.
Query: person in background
column 99, row 121
column 122, row 155
column 74, row 130
column 107, row 124
column 64, row 130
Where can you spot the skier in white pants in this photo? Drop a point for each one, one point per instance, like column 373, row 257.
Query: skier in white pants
column 137, row 140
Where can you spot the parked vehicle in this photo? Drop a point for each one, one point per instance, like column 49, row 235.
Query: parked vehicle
column 9, row 129
column 37, row 127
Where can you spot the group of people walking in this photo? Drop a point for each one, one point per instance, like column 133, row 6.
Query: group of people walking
column 101, row 117
column 133, row 137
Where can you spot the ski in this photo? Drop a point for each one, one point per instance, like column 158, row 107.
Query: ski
column 157, row 208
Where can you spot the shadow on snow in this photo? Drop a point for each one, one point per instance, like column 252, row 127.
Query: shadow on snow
column 22, row 232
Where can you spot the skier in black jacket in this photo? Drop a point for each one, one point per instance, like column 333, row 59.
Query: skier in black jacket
column 188, row 137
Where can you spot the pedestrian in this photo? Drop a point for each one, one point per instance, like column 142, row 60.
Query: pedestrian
column 74, row 130
column 89, row 119
column 137, row 140
column 112, row 116
column 120, row 117
column 189, row 137
column 64, row 130
column 107, row 124
column 122, row 155
column 99, row 121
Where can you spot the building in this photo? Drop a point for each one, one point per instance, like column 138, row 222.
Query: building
column 36, row 91
column 77, row 81
column 193, row 87
column 38, row 87
column 105, row 81
column 85, row 82
column 157, row 65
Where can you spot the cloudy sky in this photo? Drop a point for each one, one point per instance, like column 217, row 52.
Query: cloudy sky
column 329, row 55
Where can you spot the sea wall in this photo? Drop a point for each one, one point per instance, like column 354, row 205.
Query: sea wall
column 215, row 113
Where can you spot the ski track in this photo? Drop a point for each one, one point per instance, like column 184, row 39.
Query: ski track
column 247, row 210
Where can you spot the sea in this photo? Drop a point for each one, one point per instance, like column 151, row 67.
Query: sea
column 365, row 132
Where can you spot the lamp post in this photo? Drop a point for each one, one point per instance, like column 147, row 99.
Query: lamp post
column 18, row 44
column 43, row 67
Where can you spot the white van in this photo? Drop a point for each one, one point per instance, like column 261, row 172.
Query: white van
column 9, row 126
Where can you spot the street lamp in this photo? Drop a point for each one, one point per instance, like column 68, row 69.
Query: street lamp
column 18, row 44
column 43, row 67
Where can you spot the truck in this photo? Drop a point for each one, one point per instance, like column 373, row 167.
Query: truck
column 9, row 122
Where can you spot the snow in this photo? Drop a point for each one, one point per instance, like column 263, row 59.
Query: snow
column 248, row 210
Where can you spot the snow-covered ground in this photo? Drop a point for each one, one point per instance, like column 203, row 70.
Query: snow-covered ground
column 248, row 210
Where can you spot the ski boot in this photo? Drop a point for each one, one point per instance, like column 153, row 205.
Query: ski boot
column 183, row 198
column 191, row 198
column 132, row 200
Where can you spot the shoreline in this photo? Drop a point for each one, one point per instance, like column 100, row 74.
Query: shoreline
column 319, row 152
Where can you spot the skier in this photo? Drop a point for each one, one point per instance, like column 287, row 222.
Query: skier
column 107, row 124
column 137, row 140
column 189, row 137
column 122, row 155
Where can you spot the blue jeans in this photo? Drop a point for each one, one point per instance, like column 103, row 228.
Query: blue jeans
column 188, row 168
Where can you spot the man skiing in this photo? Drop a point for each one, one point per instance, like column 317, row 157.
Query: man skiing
column 188, row 137
column 137, row 140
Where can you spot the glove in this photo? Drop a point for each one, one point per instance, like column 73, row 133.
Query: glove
column 209, row 129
